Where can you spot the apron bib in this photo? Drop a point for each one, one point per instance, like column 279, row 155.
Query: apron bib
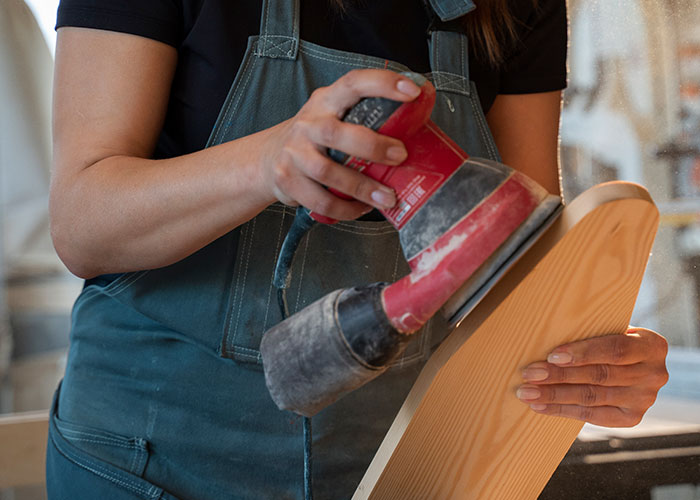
column 192, row 330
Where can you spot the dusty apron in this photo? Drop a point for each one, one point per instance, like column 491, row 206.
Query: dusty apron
column 164, row 387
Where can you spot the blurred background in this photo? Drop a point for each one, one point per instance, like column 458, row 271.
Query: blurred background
column 631, row 112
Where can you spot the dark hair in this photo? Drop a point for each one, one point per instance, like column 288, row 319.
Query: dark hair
column 490, row 27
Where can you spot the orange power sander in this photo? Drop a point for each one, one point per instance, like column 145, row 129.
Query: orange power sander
column 462, row 222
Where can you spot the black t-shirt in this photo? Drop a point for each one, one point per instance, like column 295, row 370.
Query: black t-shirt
column 211, row 37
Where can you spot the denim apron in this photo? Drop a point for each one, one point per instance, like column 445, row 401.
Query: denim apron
column 164, row 388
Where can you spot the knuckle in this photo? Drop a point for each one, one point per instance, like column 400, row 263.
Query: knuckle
column 558, row 374
column 658, row 377
column 589, row 395
column 617, row 348
column 351, row 79
column 327, row 131
column 318, row 94
column 320, row 169
column 632, row 418
column 585, row 413
column 323, row 206
column 601, row 374
column 648, row 399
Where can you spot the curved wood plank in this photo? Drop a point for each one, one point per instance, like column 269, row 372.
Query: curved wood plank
column 461, row 432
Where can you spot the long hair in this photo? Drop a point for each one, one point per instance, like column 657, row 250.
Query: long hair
column 490, row 27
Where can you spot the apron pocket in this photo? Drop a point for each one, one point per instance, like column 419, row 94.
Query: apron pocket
column 329, row 257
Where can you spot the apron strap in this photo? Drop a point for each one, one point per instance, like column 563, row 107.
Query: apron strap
column 451, row 9
column 449, row 61
column 279, row 29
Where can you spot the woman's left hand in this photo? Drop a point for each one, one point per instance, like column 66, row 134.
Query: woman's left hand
column 610, row 381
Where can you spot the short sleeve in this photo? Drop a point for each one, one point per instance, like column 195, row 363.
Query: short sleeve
column 537, row 62
column 159, row 20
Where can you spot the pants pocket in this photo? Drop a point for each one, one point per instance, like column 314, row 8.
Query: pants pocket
column 84, row 462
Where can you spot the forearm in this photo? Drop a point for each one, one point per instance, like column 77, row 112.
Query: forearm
column 126, row 213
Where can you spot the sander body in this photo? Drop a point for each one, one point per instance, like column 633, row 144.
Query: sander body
column 461, row 221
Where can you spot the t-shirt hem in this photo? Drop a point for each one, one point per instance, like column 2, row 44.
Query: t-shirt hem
column 534, row 86
column 117, row 21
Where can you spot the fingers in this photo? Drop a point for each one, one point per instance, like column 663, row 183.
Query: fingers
column 605, row 375
column 610, row 381
column 635, row 346
column 356, row 140
column 355, row 85
column 296, row 157
column 588, row 395
column 319, row 168
column 608, row 416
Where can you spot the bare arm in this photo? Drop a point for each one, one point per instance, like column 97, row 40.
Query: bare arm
column 526, row 130
column 115, row 210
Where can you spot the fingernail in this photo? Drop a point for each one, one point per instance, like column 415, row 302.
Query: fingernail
column 385, row 197
column 528, row 393
column 408, row 87
column 632, row 330
column 559, row 358
column 538, row 407
column 535, row 373
column 396, row 153
column 367, row 210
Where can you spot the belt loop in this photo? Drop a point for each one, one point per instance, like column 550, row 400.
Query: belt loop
column 279, row 29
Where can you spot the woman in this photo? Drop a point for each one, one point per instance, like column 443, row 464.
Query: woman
column 163, row 395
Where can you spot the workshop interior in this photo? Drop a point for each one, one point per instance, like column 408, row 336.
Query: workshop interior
column 631, row 112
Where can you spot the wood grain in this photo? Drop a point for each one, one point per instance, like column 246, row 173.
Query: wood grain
column 462, row 433
column 23, row 438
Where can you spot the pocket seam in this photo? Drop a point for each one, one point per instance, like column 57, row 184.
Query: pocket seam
column 78, row 458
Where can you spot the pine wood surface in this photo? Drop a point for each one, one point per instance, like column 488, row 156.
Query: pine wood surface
column 23, row 438
column 462, row 433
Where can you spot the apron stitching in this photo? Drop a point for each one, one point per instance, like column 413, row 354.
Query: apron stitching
column 383, row 227
column 301, row 273
column 348, row 61
column 361, row 232
column 269, row 290
column 483, row 137
column 267, row 17
column 437, row 51
column 245, row 275
column 233, row 104
column 127, row 283
column 270, row 43
column 232, row 329
column 295, row 22
column 484, row 126
column 110, row 442
column 461, row 55
column 119, row 286
column 100, row 471
column 233, row 290
column 394, row 275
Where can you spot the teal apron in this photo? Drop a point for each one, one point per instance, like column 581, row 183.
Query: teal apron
column 164, row 388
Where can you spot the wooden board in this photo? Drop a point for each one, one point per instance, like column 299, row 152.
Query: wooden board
column 462, row 433
column 23, row 438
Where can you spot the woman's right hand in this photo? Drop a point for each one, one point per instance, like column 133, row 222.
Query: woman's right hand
column 114, row 209
column 295, row 166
